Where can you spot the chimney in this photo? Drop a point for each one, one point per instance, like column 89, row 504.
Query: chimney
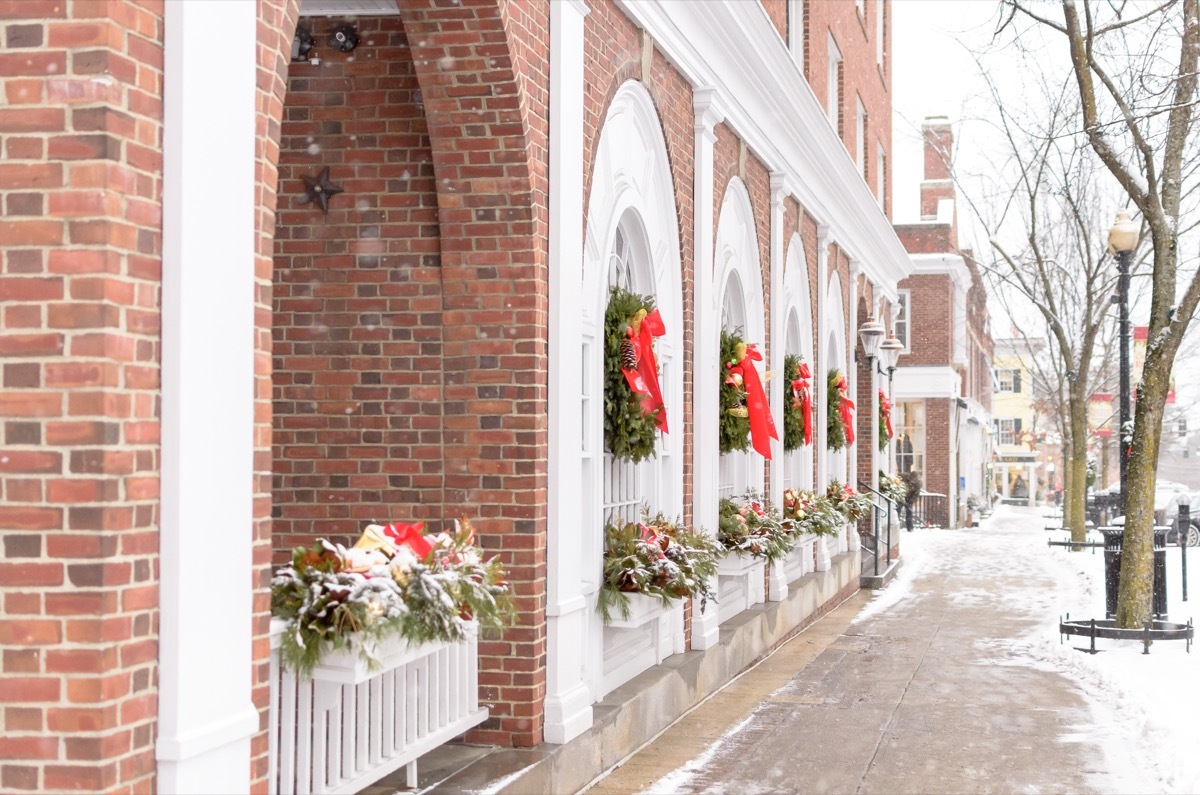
column 937, row 189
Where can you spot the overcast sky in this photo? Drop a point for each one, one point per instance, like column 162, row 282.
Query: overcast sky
column 934, row 74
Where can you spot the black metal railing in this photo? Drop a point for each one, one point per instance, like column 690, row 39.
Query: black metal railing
column 876, row 496
column 932, row 510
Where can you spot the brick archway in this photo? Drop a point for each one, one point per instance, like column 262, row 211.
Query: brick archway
column 492, row 318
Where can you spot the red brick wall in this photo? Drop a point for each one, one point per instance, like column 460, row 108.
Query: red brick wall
column 938, row 414
column 277, row 22
column 484, row 98
column 862, row 76
column 926, row 238
column 80, row 186
column 481, row 85
column 930, row 331
column 777, row 10
column 358, row 399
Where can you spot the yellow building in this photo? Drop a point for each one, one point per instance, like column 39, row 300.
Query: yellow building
column 1016, row 426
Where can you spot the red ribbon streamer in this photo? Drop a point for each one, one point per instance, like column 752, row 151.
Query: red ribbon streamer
column 762, row 426
column 409, row 535
column 846, row 408
column 644, row 380
column 801, row 392
column 885, row 408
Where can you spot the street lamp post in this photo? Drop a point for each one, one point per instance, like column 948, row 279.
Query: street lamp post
column 1122, row 240
column 872, row 333
column 889, row 355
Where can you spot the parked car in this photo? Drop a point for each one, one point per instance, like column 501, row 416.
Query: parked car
column 1193, row 532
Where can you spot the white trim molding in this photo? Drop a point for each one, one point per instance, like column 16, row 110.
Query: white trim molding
column 568, row 704
column 917, row 383
column 705, row 347
column 632, row 199
column 779, row 117
column 206, row 714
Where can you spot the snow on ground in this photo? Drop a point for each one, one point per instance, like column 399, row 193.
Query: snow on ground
column 1147, row 707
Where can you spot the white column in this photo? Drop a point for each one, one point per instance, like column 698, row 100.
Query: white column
column 206, row 716
column 568, row 706
column 891, row 454
column 850, row 476
column 821, row 366
column 777, row 585
column 706, row 349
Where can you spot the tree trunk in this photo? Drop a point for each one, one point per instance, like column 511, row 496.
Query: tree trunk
column 1076, row 464
column 1137, row 549
column 1067, row 480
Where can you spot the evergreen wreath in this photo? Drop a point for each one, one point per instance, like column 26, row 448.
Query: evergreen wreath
column 629, row 433
column 793, row 417
column 835, row 431
column 734, row 419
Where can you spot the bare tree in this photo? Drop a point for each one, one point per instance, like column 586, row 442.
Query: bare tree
column 1135, row 75
column 1044, row 206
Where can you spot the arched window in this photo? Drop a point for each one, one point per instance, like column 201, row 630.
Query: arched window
column 739, row 279
column 628, row 486
column 631, row 240
column 798, row 341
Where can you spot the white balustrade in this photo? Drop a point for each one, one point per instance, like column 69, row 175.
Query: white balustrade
column 348, row 726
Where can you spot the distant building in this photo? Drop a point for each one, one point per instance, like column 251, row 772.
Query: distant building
column 943, row 387
column 1019, row 465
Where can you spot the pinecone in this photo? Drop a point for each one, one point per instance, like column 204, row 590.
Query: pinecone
column 628, row 355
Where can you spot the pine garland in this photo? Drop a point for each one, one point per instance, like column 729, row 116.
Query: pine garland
column 793, row 417
column 734, row 427
column 679, row 563
column 835, row 431
column 339, row 599
column 753, row 528
column 629, row 433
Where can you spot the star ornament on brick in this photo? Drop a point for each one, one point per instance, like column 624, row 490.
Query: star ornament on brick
column 320, row 189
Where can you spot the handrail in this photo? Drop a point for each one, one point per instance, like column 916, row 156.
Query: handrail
column 875, row 521
column 868, row 487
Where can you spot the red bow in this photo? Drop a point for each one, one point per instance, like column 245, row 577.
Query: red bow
column 801, row 393
column 409, row 535
column 885, row 408
column 644, row 380
column 762, row 426
column 846, row 408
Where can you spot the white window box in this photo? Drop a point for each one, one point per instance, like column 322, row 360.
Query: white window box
column 740, row 584
column 651, row 634
column 349, row 726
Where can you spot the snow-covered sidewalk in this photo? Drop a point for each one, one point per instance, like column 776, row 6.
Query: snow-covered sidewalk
column 1146, row 707
column 954, row 679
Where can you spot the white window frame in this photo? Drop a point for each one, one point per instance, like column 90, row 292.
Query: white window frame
column 634, row 199
column 1006, row 431
column 833, row 84
column 860, row 136
column 880, row 33
column 902, row 325
column 795, row 32
column 881, row 175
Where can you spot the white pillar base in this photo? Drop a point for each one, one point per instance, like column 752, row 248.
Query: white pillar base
column 777, row 585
